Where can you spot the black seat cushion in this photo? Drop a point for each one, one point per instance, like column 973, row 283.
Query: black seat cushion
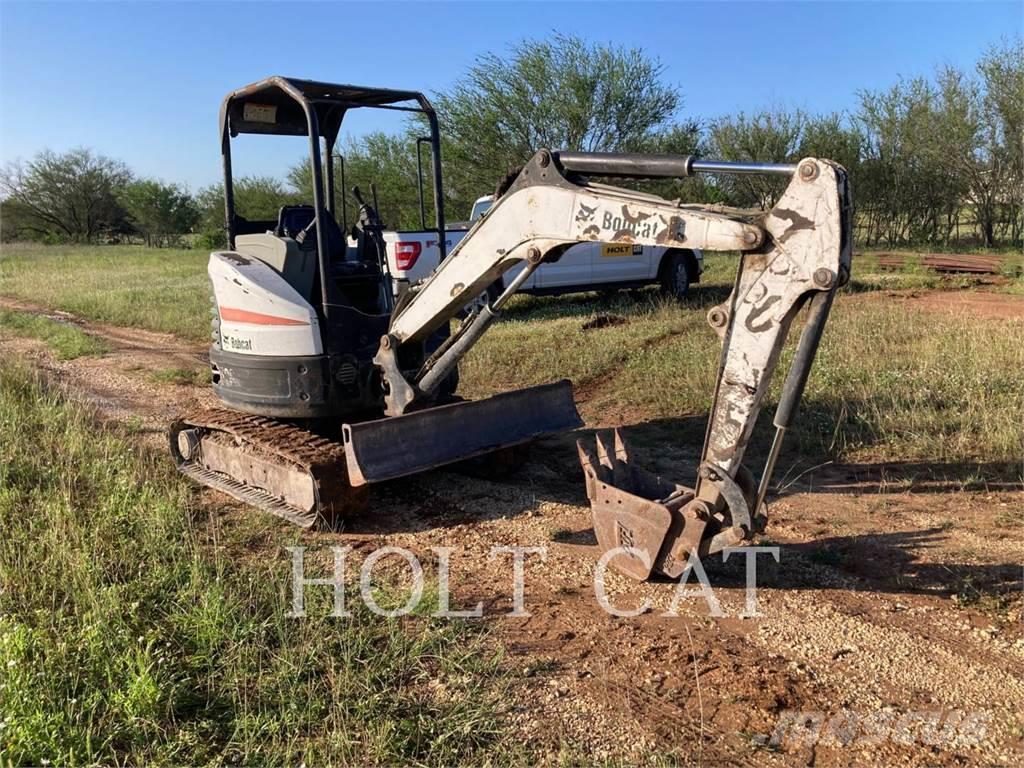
column 292, row 219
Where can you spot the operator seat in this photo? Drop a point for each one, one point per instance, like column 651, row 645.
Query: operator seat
column 355, row 272
column 293, row 219
column 334, row 238
column 297, row 222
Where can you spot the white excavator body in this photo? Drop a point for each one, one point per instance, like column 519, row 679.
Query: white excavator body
column 257, row 312
column 307, row 330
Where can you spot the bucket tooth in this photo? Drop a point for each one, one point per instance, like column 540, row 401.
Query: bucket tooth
column 642, row 514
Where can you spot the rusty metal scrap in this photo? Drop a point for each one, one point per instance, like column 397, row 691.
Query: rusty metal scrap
column 950, row 262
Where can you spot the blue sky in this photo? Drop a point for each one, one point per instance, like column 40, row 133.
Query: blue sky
column 143, row 81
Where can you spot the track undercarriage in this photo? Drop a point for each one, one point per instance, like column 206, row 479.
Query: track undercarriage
column 281, row 468
column 308, row 475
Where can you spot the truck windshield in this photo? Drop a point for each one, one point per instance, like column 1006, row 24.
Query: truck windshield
column 480, row 207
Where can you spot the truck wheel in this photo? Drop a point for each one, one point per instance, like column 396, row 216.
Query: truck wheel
column 675, row 278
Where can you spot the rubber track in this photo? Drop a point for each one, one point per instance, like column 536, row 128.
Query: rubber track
column 321, row 457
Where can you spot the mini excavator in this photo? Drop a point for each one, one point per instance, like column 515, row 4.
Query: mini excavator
column 329, row 383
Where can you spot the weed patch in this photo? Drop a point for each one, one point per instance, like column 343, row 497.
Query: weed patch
column 66, row 341
column 126, row 639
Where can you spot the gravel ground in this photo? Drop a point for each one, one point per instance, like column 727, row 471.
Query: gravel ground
column 890, row 632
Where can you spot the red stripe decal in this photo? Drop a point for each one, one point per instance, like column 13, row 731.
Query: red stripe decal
column 256, row 318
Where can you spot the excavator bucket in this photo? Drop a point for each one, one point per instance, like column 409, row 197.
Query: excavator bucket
column 385, row 449
column 642, row 516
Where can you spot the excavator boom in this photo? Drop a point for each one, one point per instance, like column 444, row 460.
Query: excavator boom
column 794, row 255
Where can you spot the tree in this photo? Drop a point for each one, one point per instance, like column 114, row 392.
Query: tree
column 257, row 198
column 937, row 149
column 779, row 135
column 769, row 136
column 902, row 180
column 955, row 152
column 160, row 212
column 1002, row 109
column 832, row 136
column 16, row 223
column 560, row 94
column 380, row 159
column 70, row 196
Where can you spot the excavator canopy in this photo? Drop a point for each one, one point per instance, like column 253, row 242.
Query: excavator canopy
column 286, row 106
column 282, row 106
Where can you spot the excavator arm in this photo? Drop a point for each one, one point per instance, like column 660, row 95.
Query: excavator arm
column 655, row 525
column 549, row 207
column 793, row 256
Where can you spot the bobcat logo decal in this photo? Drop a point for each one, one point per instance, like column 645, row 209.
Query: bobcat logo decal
column 585, row 214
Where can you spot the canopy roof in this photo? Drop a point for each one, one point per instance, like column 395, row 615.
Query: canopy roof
column 279, row 105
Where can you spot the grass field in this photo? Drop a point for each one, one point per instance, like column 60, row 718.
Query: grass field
column 904, row 385
column 134, row 631
column 163, row 289
column 153, row 288
column 66, row 341
column 887, row 386
column 137, row 627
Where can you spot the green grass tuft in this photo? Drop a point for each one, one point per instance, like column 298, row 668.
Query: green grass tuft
column 67, row 341
column 126, row 639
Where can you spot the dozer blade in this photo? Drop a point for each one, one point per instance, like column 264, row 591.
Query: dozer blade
column 415, row 442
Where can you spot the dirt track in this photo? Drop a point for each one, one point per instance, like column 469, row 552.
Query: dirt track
column 886, row 606
column 978, row 303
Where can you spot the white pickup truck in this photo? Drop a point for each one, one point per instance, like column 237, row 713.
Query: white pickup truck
column 596, row 266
